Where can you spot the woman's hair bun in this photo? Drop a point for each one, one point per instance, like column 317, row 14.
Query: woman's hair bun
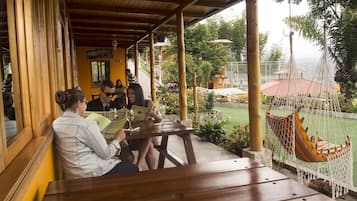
column 60, row 97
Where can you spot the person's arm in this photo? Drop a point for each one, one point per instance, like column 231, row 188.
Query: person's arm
column 95, row 139
column 156, row 116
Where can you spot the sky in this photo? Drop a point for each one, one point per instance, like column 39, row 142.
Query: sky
column 271, row 15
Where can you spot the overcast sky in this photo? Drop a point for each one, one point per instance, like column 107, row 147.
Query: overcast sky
column 270, row 16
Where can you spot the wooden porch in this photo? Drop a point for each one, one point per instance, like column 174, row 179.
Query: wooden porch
column 47, row 43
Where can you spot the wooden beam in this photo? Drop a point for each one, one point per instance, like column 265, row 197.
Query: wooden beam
column 168, row 17
column 212, row 12
column 166, row 1
column 77, row 30
column 104, row 39
column 100, row 18
column 111, row 30
column 88, row 8
column 112, row 26
column 210, row 3
column 254, row 99
column 105, row 35
column 100, row 44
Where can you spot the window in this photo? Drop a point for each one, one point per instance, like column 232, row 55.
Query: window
column 100, row 72
column 8, row 81
column 14, row 103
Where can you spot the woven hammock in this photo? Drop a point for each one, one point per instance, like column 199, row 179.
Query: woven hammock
column 307, row 148
column 304, row 129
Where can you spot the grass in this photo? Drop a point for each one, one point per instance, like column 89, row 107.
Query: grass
column 237, row 116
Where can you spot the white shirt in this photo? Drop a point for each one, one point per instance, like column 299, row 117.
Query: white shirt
column 82, row 147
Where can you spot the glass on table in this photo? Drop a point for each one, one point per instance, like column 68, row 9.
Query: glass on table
column 129, row 115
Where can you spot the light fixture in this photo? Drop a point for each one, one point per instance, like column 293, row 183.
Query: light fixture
column 114, row 42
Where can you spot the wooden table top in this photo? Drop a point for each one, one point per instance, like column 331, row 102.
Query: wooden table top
column 164, row 128
column 238, row 179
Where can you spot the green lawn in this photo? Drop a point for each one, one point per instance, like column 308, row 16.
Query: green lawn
column 236, row 116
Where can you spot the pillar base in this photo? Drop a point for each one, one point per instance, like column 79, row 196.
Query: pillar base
column 264, row 156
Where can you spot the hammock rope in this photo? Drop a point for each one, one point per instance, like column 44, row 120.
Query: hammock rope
column 305, row 124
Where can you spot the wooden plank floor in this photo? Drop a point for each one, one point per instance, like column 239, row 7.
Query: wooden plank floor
column 238, row 179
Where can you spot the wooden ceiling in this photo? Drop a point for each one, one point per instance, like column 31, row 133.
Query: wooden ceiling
column 98, row 22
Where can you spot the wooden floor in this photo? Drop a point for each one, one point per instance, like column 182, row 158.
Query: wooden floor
column 236, row 179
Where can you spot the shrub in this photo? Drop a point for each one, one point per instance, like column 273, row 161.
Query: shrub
column 266, row 99
column 171, row 109
column 347, row 106
column 238, row 140
column 212, row 132
column 210, row 101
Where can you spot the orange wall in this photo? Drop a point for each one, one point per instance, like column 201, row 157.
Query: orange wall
column 44, row 174
column 117, row 69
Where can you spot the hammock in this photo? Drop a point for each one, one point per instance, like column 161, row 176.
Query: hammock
column 306, row 149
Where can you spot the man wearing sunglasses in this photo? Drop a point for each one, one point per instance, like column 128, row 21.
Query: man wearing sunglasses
column 104, row 102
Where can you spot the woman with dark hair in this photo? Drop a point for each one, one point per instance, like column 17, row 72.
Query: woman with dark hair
column 136, row 97
column 81, row 145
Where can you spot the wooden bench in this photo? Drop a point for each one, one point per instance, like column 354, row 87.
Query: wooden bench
column 239, row 179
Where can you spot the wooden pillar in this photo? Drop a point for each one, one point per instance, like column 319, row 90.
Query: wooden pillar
column 2, row 68
column 182, row 65
column 160, row 64
column 136, row 60
column 195, row 120
column 255, row 117
column 152, row 68
column 126, row 66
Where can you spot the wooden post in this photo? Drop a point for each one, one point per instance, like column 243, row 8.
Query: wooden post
column 255, row 118
column 152, row 68
column 136, row 60
column 126, row 66
column 182, row 65
column 195, row 106
column 160, row 64
column 2, row 67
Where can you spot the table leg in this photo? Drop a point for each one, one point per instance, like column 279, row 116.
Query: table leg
column 190, row 154
column 163, row 151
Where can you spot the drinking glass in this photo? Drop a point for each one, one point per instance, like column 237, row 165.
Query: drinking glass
column 129, row 117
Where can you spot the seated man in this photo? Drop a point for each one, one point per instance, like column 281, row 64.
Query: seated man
column 104, row 102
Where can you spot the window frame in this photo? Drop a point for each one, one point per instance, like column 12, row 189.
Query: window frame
column 106, row 73
column 19, row 31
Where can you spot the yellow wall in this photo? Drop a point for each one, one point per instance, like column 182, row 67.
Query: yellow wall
column 45, row 173
column 117, row 69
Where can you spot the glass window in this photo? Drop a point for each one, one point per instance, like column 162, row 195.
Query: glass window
column 100, row 72
column 7, row 78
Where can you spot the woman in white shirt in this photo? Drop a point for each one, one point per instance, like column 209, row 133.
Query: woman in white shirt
column 81, row 145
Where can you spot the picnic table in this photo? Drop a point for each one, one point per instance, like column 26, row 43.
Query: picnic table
column 236, row 179
column 164, row 129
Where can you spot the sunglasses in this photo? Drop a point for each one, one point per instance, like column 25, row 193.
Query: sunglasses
column 109, row 94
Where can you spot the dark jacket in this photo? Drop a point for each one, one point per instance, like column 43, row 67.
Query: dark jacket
column 96, row 105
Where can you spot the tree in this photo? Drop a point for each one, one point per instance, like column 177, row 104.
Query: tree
column 275, row 53
column 205, row 73
column 338, row 19
column 207, row 58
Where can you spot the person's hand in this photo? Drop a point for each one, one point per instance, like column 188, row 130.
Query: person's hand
column 151, row 114
column 120, row 136
column 154, row 115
